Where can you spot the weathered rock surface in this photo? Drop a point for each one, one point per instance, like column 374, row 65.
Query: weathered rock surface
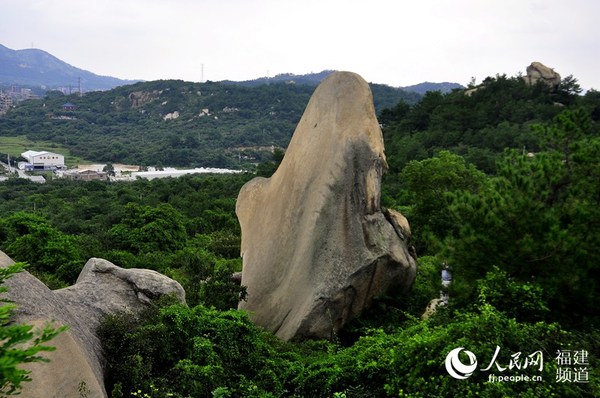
column 539, row 72
column 317, row 247
column 102, row 288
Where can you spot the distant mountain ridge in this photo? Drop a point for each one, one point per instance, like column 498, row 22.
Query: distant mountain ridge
column 310, row 79
column 36, row 68
column 313, row 79
column 422, row 88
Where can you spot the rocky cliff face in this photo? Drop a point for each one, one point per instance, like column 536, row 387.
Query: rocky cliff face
column 317, row 247
column 102, row 288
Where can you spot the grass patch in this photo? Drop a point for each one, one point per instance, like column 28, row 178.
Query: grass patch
column 15, row 146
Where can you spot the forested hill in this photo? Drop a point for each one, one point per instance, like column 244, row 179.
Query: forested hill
column 173, row 122
column 480, row 123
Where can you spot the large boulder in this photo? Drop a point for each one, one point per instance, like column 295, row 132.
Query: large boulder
column 102, row 288
column 317, row 247
column 537, row 72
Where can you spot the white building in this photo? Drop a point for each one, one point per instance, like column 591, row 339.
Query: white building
column 42, row 161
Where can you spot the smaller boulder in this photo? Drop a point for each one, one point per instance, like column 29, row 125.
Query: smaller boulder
column 76, row 367
column 539, row 72
column 104, row 288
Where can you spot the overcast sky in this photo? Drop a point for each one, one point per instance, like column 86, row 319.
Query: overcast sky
column 395, row 42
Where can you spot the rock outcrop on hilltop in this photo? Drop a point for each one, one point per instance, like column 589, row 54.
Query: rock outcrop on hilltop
column 539, row 72
column 102, row 288
column 317, row 247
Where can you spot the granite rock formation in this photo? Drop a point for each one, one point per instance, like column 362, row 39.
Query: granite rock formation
column 317, row 247
column 102, row 288
column 539, row 72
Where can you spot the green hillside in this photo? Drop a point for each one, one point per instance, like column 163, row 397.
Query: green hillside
column 172, row 122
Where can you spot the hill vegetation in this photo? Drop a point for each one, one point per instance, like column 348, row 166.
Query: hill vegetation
column 173, row 123
column 503, row 185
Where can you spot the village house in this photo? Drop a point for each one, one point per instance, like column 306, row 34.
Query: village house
column 69, row 107
column 85, row 175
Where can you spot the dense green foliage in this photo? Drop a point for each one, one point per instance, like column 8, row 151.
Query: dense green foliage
column 185, row 228
column 19, row 344
column 502, row 184
column 496, row 115
column 179, row 351
column 538, row 219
